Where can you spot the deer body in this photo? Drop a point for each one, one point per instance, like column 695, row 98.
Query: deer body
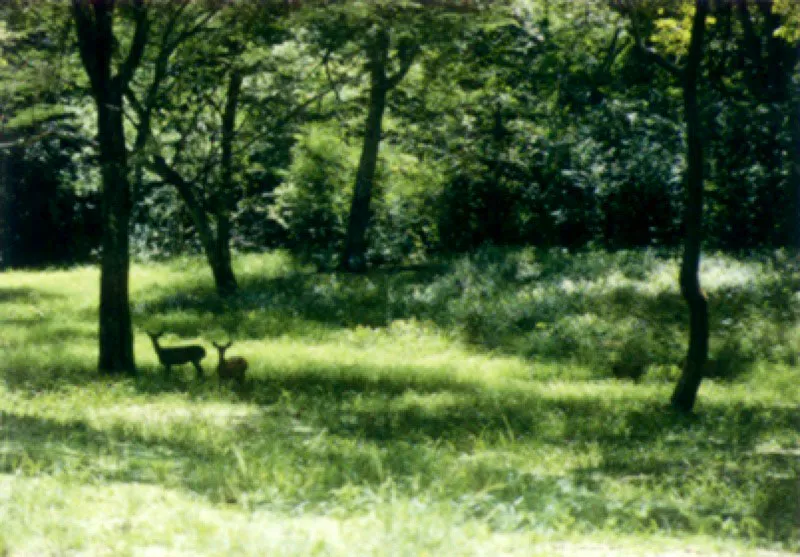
column 232, row 368
column 178, row 355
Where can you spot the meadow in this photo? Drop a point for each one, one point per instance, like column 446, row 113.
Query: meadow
column 481, row 405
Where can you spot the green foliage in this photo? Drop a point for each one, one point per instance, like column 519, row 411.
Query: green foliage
column 530, row 122
column 312, row 203
column 404, row 227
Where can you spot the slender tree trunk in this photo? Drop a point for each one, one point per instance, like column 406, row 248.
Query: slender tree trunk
column 354, row 256
column 215, row 246
column 683, row 398
column 223, row 271
column 769, row 78
column 216, row 243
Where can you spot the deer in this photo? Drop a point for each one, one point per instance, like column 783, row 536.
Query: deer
column 177, row 355
column 232, row 368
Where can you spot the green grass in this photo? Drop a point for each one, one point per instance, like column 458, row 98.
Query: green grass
column 466, row 408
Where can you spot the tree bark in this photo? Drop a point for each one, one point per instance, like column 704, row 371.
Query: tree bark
column 354, row 256
column 94, row 26
column 685, row 394
column 223, row 272
column 116, row 333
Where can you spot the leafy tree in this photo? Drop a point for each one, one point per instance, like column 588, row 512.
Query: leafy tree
column 380, row 84
column 169, row 86
column 206, row 116
column 768, row 63
column 388, row 36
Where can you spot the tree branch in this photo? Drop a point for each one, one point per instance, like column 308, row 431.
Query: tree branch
column 652, row 55
column 87, row 37
column 194, row 30
column 196, row 210
column 138, row 44
column 406, row 56
column 145, row 111
column 612, row 52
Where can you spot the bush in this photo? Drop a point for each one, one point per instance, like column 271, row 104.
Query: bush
column 312, row 204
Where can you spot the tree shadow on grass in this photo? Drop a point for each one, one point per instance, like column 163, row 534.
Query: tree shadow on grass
column 417, row 427
column 24, row 294
column 37, row 445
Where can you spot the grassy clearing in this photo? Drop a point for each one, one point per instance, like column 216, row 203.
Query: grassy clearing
column 465, row 409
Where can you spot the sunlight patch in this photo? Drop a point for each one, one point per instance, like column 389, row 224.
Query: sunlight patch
column 215, row 414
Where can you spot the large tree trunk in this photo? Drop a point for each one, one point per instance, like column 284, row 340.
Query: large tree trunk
column 683, row 398
column 221, row 263
column 354, row 256
column 116, row 333
column 95, row 29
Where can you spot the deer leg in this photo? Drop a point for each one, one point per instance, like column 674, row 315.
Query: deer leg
column 199, row 368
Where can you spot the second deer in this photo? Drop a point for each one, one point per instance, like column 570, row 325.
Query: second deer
column 232, row 368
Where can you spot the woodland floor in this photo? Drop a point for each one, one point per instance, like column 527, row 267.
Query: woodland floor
column 464, row 408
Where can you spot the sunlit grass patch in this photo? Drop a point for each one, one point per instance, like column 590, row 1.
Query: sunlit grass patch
column 148, row 520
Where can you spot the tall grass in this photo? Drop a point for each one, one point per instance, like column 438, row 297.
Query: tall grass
column 468, row 407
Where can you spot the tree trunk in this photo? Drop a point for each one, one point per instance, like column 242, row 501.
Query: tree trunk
column 683, row 398
column 222, row 267
column 223, row 270
column 95, row 30
column 769, row 78
column 116, row 333
column 354, row 256
column 215, row 246
column 216, row 243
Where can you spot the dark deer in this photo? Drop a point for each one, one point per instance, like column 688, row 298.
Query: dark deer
column 177, row 355
column 232, row 368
